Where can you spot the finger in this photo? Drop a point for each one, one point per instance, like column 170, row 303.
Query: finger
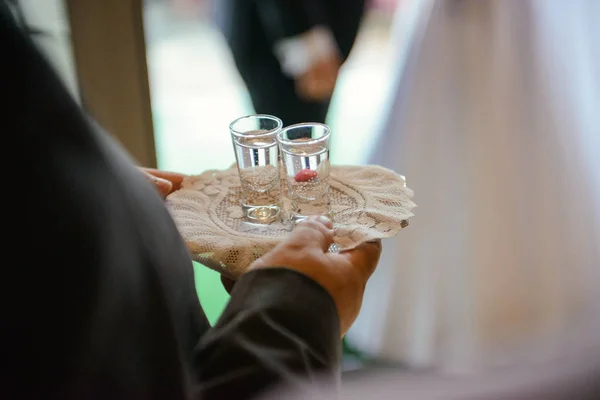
column 312, row 232
column 228, row 283
column 163, row 186
column 312, row 87
column 365, row 256
column 319, row 220
column 302, row 89
column 175, row 178
column 319, row 89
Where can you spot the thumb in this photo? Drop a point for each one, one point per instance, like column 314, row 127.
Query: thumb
column 175, row 178
column 365, row 256
column 312, row 232
column 310, row 235
column 163, row 186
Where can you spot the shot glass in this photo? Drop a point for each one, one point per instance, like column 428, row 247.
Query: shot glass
column 256, row 150
column 305, row 155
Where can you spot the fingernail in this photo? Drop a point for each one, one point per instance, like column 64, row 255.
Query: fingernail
column 323, row 219
column 300, row 221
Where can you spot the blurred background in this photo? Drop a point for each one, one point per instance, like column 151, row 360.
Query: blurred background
column 196, row 90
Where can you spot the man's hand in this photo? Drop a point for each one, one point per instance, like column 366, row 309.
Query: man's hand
column 313, row 59
column 344, row 275
column 165, row 182
column 318, row 83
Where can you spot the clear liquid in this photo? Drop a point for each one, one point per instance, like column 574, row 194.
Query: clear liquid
column 307, row 178
column 257, row 165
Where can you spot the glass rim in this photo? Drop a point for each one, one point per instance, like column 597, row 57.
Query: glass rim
column 269, row 132
column 296, row 142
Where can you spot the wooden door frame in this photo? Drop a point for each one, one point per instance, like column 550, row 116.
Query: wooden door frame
column 109, row 49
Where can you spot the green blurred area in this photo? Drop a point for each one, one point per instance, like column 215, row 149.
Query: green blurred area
column 211, row 293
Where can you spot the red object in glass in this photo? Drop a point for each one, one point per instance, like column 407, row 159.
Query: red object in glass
column 305, row 175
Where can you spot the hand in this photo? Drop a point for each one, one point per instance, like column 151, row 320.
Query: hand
column 344, row 275
column 318, row 83
column 165, row 182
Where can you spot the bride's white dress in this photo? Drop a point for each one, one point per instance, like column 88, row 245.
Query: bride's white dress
column 495, row 122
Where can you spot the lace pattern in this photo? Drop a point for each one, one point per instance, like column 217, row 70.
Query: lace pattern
column 368, row 203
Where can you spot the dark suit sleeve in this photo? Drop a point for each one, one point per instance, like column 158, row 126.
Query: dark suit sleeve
column 280, row 327
column 286, row 18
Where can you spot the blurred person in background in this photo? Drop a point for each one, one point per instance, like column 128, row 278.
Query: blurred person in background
column 289, row 52
column 494, row 121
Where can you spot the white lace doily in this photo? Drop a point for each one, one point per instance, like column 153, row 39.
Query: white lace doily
column 368, row 203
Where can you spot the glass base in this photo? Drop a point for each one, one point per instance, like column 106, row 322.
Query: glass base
column 261, row 214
